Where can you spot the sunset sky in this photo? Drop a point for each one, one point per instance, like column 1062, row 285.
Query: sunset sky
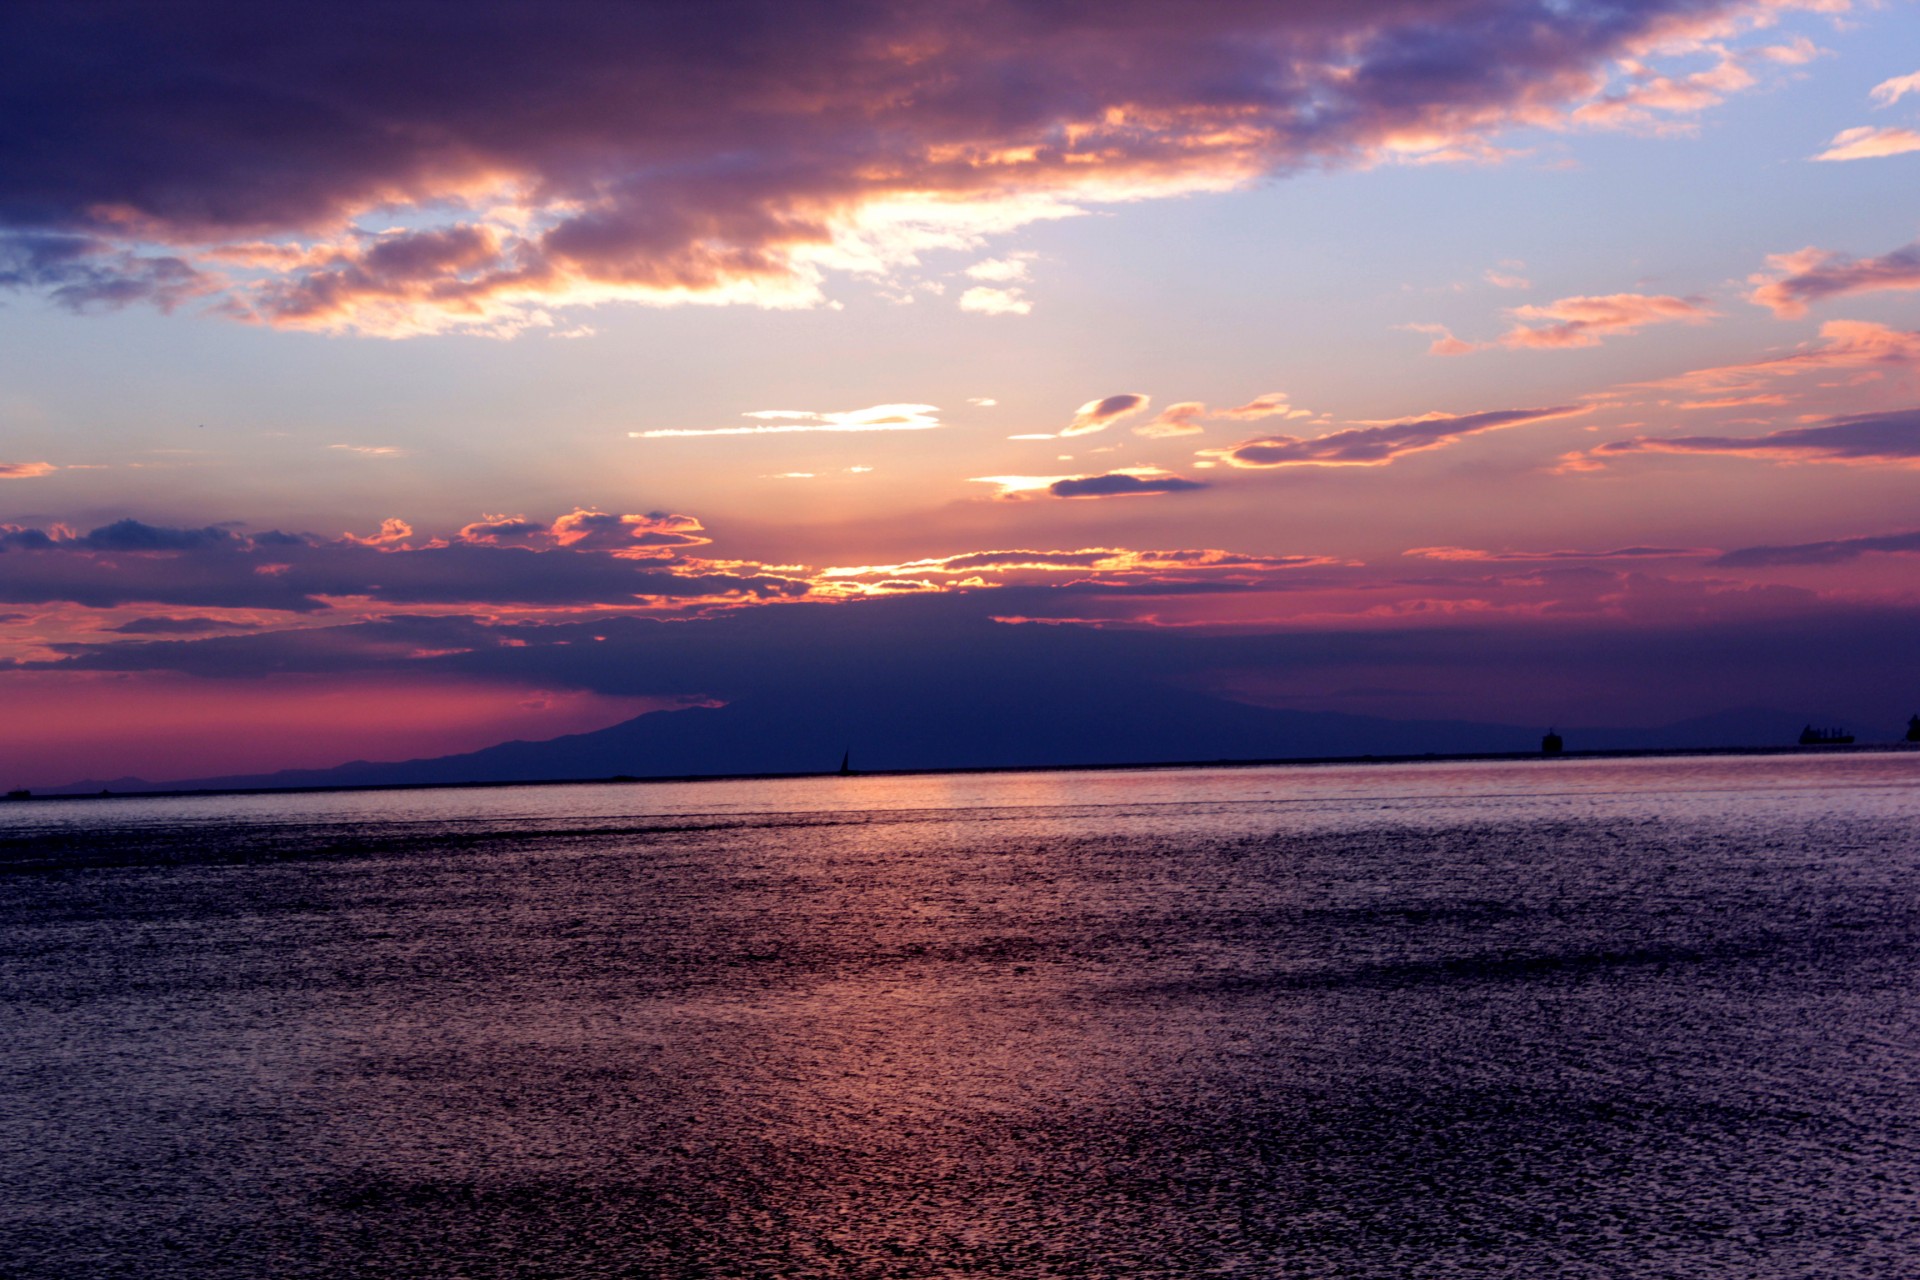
column 381, row 380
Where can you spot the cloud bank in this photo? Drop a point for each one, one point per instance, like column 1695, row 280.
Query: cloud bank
column 402, row 168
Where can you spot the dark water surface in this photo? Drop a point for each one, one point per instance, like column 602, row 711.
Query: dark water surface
column 1567, row 1018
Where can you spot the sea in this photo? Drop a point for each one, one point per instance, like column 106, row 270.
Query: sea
column 1649, row 1017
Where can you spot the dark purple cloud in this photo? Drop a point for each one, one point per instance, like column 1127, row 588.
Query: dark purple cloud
column 1119, row 484
column 129, row 562
column 83, row 272
column 1377, row 445
column 1523, row 557
column 151, row 150
column 163, row 625
column 1861, row 438
column 1833, row 552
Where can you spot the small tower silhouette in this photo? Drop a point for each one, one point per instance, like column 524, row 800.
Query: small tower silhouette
column 1551, row 745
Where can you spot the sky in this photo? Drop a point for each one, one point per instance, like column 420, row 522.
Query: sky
column 384, row 380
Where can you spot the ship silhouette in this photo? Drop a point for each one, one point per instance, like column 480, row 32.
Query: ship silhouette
column 1812, row 737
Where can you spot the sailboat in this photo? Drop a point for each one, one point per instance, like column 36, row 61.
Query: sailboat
column 846, row 764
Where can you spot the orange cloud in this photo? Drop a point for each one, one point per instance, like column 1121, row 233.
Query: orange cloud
column 774, row 422
column 392, row 533
column 977, row 569
column 25, row 470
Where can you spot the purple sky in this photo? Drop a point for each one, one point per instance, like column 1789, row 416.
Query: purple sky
column 392, row 379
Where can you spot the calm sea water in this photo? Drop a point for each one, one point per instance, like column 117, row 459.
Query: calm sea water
column 1556, row 1018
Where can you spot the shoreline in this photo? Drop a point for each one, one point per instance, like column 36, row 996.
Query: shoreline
column 1620, row 753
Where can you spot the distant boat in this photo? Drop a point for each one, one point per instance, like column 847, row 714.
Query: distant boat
column 1812, row 737
column 1552, row 745
column 846, row 765
column 1913, row 729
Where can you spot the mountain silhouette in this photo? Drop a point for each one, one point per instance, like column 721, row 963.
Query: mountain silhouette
column 933, row 724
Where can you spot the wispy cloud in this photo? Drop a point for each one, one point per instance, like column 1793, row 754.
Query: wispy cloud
column 1869, row 142
column 1577, row 322
column 1472, row 555
column 1837, row 551
column 1379, row 444
column 777, row 422
column 1878, row 439
column 1184, row 417
column 1106, row 560
column 1843, row 344
column 25, row 470
column 1888, row 92
column 1180, row 419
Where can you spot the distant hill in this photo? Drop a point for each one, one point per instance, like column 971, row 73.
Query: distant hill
column 932, row 725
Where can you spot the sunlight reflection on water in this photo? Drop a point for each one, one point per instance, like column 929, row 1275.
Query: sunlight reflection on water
column 1647, row 1017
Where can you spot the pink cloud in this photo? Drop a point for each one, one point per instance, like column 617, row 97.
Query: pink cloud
column 1184, row 418
column 1269, row 404
column 25, row 470
column 1793, row 281
column 1584, row 321
column 584, row 530
column 1843, row 344
column 1575, row 322
column 1888, row 92
column 1870, row 143
column 1181, row 419
column 1098, row 415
